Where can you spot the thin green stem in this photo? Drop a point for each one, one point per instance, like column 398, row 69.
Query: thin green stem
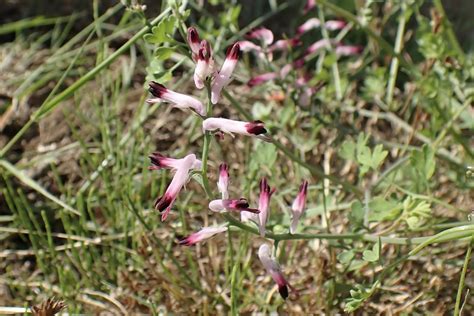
column 447, row 235
column 457, row 306
column 206, row 145
column 397, row 49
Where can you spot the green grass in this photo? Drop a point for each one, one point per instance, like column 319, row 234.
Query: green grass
column 77, row 217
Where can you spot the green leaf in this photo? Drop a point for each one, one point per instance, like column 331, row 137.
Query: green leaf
column 372, row 255
column 356, row 216
column 348, row 150
column 383, row 210
column 163, row 32
column 359, row 296
column 424, row 161
column 378, row 156
column 345, row 257
column 163, row 53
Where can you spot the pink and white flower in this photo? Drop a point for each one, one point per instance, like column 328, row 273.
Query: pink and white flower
column 177, row 100
column 231, row 205
column 314, row 23
column 165, row 203
column 318, row 45
column 260, row 79
column 223, row 78
column 348, row 50
column 298, row 206
column 284, row 44
column 247, row 46
column 162, row 162
column 204, row 65
column 194, row 42
column 203, row 234
column 255, row 128
column 273, row 268
column 263, row 34
column 223, row 183
column 310, row 4
column 263, row 204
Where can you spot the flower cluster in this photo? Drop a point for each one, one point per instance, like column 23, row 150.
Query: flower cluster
column 266, row 47
column 205, row 75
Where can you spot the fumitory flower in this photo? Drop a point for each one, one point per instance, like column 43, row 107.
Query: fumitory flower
column 273, row 268
column 263, row 34
column 223, row 183
column 194, row 42
column 315, row 23
column 263, row 204
column 298, row 206
column 165, row 202
column 225, row 205
column 178, row 100
column 204, row 65
column 203, row 234
column 255, row 128
column 223, row 78
column 348, row 50
column 161, row 162
column 258, row 80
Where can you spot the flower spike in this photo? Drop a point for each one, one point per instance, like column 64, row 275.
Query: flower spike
column 273, row 268
column 255, row 128
column 298, row 206
column 203, row 234
column 165, row 203
column 263, row 204
column 178, row 100
column 223, row 78
column 225, row 205
column 223, row 182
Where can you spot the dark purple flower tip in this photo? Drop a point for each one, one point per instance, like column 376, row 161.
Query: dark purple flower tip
column 304, row 187
column 299, row 63
column 155, row 159
column 295, row 42
column 223, row 168
column 157, row 89
column 283, row 289
column 185, row 242
column 233, row 52
column 193, row 35
column 241, row 203
column 163, row 202
column 256, row 128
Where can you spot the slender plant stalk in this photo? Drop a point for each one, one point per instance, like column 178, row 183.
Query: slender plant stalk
column 457, row 306
column 206, row 145
column 334, row 66
column 422, row 242
column 397, row 49
column 68, row 92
